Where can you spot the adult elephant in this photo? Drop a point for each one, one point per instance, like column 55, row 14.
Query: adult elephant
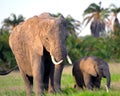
column 37, row 44
column 88, row 72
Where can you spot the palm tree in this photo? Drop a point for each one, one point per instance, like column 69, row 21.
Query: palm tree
column 12, row 21
column 99, row 16
column 74, row 26
column 116, row 24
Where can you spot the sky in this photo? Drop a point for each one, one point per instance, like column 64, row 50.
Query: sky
column 29, row 8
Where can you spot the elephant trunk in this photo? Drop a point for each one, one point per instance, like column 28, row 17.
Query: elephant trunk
column 59, row 54
column 108, row 80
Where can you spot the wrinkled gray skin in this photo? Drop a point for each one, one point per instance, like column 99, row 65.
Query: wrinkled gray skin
column 88, row 72
column 33, row 42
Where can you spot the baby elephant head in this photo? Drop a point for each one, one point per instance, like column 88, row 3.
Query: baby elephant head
column 104, row 72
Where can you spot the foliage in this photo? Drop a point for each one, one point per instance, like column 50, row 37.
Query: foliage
column 12, row 21
column 73, row 46
column 105, row 48
column 6, row 56
column 99, row 16
column 7, row 60
column 114, row 9
column 116, row 25
column 73, row 25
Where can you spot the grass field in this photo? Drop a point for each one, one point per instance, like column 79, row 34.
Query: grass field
column 13, row 85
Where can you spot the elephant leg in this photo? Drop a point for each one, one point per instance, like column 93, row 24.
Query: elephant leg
column 57, row 77
column 48, row 72
column 87, row 81
column 46, row 82
column 46, row 75
column 51, row 80
column 38, row 75
column 96, row 82
column 28, row 83
column 79, row 83
column 78, row 77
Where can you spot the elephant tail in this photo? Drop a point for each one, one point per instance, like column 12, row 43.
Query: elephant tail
column 7, row 72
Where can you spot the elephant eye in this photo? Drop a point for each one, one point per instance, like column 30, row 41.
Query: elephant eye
column 47, row 38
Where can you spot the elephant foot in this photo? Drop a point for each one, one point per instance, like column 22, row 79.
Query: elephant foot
column 89, row 88
column 30, row 93
column 78, row 87
column 41, row 95
column 51, row 90
column 58, row 91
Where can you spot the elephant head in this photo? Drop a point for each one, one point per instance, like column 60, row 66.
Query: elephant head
column 52, row 37
column 104, row 72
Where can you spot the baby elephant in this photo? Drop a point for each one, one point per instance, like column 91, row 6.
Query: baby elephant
column 88, row 72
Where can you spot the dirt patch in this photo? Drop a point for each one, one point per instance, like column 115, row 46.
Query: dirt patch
column 114, row 68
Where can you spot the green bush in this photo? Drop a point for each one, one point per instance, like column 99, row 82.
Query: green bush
column 105, row 48
column 73, row 46
column 7, row 59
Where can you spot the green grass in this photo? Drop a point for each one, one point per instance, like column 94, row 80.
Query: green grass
column 13, row 85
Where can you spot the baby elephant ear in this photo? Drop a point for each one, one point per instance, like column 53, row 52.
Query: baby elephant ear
column 92, row 71
column 90, row 67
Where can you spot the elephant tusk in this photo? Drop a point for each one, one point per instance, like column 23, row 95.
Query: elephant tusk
column 69, row 60
column 107, row 89
column 54, row 62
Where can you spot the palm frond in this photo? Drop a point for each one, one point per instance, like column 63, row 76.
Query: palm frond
column 12, row 21
column 104, row 14
column 91, row 9
column 114, row 8
column 13, row 17
column 88, row 19
column 118, row 10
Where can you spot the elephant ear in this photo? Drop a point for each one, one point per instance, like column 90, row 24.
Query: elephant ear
column 90, row 66
column 35, row 40
column 37, row 45
column 43, row 27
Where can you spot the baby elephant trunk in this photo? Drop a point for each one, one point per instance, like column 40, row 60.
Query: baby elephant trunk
column 108, row 82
